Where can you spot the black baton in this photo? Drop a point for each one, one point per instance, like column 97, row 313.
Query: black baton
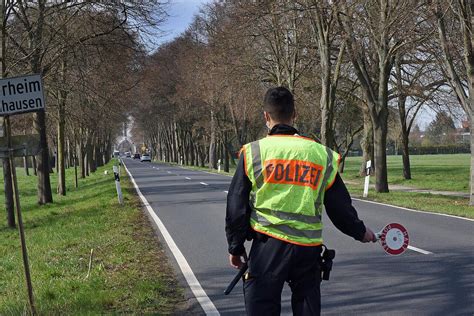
column 236, row 279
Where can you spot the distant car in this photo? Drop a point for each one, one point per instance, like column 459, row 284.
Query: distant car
column 145, row 157
column 136, row 156
column 116, row 153
column 128, row 154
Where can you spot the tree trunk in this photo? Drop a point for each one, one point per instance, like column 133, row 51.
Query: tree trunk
column 367, row 144
column 202, row 157
column 380, row 153
column 327, row 138
column 34, row 166
column 90, row 157
column 44, row 185
column 470, row 61
column 212, row 144
column 226, row 153
column 406, row 155
column 471, row 201
column 25, row 165
column 60, row 156
column 76, row 182
column 81, row 154
column 342, row 164
column 8, row 186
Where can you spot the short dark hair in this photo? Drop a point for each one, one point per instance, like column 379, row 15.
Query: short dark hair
column 279, row 103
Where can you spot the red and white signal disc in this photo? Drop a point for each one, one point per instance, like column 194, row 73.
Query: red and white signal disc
column 394, row 238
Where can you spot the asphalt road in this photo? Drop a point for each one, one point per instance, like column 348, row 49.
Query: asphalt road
column 364, row 280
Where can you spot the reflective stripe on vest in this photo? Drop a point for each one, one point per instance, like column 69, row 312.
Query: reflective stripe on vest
column 289, row 177
column 287, row 229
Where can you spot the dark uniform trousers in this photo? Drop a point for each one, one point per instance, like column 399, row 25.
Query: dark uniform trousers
column 272, row 263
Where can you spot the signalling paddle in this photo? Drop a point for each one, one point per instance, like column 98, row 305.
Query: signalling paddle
column 394, row 239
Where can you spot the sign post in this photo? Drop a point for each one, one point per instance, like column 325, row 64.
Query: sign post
column 20, row 95
column 16, row 195
column 367, row 178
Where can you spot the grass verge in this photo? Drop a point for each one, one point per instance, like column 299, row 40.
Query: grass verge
column 420, row 201
column 129, row 274
column 432, row 172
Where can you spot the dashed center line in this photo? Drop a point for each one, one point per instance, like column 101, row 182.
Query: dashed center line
column 169, row 171
column 203, row 183
column 425, row 252
column 188, row 178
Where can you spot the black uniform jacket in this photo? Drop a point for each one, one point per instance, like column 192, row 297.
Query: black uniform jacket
column 337, row 202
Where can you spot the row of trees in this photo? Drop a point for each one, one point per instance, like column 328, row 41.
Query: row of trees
column 355, row 67
column 89, row 55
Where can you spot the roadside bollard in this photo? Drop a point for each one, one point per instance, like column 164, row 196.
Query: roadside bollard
column 367, row 178
column 117, row 184
column 219, row 165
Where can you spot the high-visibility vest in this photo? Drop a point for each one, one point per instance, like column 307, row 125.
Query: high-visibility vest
column 289, row 176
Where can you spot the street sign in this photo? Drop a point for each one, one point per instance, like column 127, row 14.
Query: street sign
column 21, row 94
column 21, row 145
column 394, row 239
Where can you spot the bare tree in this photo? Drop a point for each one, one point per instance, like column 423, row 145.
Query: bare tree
column 459, row 65
column 375, row 32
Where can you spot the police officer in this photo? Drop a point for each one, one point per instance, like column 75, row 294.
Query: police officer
column 276, row 198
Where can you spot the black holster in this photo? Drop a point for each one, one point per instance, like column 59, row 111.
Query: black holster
column 325, row 262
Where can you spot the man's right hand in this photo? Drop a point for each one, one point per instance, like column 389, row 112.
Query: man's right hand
column 236, row 261
column 369, row 235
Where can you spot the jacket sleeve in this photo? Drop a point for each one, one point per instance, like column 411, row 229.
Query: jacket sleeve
column 237, row 220
column 339, row 208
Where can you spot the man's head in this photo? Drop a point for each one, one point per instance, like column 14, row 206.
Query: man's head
column 279, row 107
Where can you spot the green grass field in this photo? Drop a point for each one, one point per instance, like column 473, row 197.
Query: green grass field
column 129, row 271
column 419, row 201
column 435, row 172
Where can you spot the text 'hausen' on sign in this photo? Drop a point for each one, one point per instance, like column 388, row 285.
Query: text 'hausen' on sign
column 21, row 94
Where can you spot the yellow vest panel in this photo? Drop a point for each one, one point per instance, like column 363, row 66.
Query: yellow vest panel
column 289, row 176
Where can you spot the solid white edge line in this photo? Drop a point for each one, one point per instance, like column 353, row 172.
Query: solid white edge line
column 425, row 252
column 416, row 211
column 203, row 183
column 204, row 300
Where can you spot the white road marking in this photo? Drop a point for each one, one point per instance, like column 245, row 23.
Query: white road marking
column 416, row 211
column 425, row 252
column 169, row 171
column 204, row 300
column 203, row 183
column 188, row 178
